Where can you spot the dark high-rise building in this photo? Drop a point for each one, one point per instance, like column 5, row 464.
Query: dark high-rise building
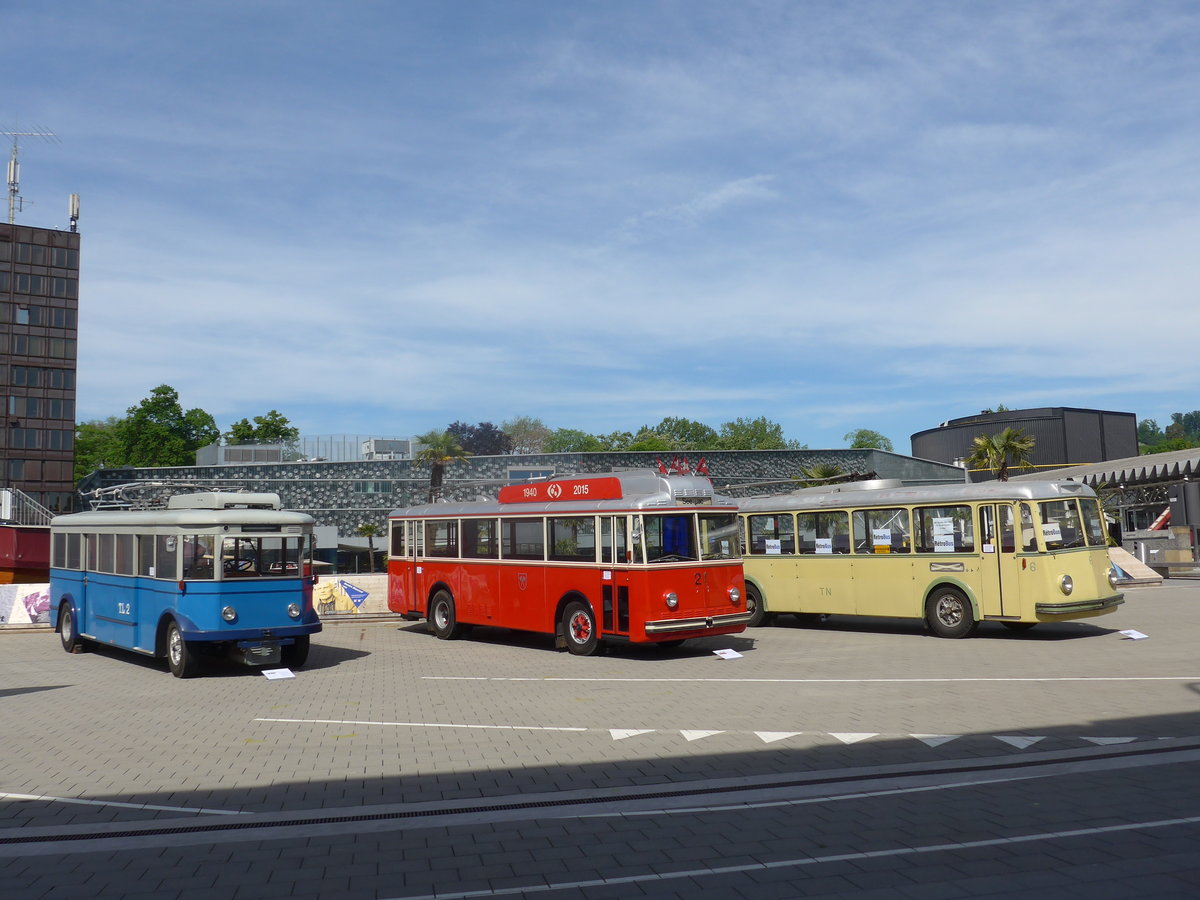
column 39, row 303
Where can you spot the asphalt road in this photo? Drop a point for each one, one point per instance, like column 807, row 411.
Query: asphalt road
column 856, row 758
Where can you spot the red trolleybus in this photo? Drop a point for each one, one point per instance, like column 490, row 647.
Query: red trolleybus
column 634, row 556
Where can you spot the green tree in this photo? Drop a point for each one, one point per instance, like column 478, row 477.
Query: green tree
column 650, row 440
column 866, row 439
column 441, row 448
column 99, row 444
column 526, row 434
column 997, row 452
column 272, row 428
column 753, row 434
column 571, row 440
column 683, row 434
column 158, row 432
column 484, row 439
column 370, row 531
column 1148, row 433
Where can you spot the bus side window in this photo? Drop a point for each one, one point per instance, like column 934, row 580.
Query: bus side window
column 1028, row 532
column 146, row 555
column 398, row 549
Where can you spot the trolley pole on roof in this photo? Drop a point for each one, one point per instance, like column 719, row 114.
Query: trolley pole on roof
column 15, row 201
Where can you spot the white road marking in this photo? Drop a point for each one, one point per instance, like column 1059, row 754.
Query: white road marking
column 619, row 734
column 149, row 806
column 797, row 862
column 770, row 737
column 1020, row 741
column 935, row 740
column 848, row 737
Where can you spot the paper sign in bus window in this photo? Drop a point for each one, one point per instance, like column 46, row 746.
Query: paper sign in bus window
column 824, row 545
column 774, row 546
column 1051, row 531
column 881, row 538
column 943, row 535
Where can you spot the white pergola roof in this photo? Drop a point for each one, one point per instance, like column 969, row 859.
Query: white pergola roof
column 1154, row 468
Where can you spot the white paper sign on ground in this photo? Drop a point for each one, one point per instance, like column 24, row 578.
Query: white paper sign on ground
column 1134, row 635
column 728, row 654
column 278, row 673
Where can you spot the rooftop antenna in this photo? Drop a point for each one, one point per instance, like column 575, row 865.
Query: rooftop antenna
column 15, row 201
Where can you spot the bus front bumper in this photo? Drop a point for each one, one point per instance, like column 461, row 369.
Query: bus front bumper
column 675, row 626
column 1074, row 608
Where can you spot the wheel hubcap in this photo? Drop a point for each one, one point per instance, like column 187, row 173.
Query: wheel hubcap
column 581, row 628
column 175, row 647
column 949, row 611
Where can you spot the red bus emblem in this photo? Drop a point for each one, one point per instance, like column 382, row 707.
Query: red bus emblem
column 554, row 490
column 522, row 580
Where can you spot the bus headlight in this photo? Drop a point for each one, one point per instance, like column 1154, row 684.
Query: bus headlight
column 734, row 596
column 294, row 610
column 672, row 600
column 229, row 614
column 1113, row 578
column 1066, row 584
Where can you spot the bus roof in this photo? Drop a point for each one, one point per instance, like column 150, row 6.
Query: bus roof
column 180, row 518
column 635, row 489
column 834, row 498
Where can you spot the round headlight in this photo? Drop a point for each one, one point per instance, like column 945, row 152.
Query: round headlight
column 672, row 600
column 1113, row 578
column 228, row 613
column 734, row 595
column 1066, row 584
column 294, row 610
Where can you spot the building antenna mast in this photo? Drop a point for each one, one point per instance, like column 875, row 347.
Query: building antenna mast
column 15, row 201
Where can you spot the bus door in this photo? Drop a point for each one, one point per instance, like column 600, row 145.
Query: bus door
column 414, row 541
column 616, row 575
column 1000, row 567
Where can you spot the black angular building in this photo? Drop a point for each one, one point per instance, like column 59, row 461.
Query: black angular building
column 1064, row 435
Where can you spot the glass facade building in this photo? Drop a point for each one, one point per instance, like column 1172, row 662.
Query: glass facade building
column 39, row 308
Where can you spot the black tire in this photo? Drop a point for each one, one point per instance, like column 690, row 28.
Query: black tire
column 579, row 629
column 180, row 659
column 759, row 617
column 949, row 614
column 68, row 629
column 442, row 620
column 1018, row 626
column 293, row 656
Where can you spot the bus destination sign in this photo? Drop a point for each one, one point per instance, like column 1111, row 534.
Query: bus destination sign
column 562, row 491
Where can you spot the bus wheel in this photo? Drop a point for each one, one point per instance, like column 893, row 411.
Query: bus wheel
column 293, row 656
column 442, row 621
column 181, row 660
column 949, row 614
column 754, row 605
column 68, row 630
column 1018, row 626
column 579, row 628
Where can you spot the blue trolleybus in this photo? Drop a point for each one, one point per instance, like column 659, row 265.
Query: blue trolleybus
column 211, row 574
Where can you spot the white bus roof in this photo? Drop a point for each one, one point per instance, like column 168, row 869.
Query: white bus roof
column 996, row 491
column 638, row 489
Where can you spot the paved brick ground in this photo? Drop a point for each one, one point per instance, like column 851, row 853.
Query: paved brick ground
column 387, row 725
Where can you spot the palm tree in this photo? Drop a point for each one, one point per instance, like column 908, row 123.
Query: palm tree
column 441, row 448
column 996, row 451
column 370, row 531
column 820, row 474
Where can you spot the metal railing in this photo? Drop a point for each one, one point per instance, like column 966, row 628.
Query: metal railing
column 19, row 508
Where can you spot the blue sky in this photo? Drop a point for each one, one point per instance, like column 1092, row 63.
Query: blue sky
column 381, row 217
